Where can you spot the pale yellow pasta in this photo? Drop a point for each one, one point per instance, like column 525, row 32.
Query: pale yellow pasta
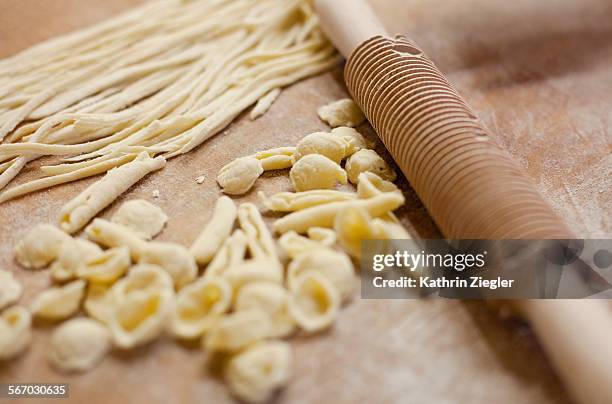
column 59, row 303
column 238, row 330
column 173, row 258
column 313, row 302
column 109, row 234
column 324, row 215
column 254, row 270
column 142, row 217
column 260, row 242
column 353, row 225
column 315, row 171
column 10, row 289
column 71, row 256
column 370, row 184
column 294, row 244
column 390, row 230
column 280, row 162
column 293, row 201
column 231, row 253
column 98, row 302
column 142, row 278
column 139, row 316
column 199, row 306
column 78, row 345
column 333, row 147
column 272, row 299
column 15, row 332
column 106, row 267
column 216, row 231
column 257, row 373
column 79, row 211
column 368, row 160
column 355, row 140
column 344, row 112
column 287, row 151
column 237, row 177
column 335, row 266
column 264, row 104
column 40, row 246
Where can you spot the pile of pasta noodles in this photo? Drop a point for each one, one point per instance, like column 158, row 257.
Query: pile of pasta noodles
column 160, row 79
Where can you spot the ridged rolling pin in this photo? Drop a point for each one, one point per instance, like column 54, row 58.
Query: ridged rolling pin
column 471, row 187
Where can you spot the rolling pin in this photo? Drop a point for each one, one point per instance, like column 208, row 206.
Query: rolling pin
column 470, row 185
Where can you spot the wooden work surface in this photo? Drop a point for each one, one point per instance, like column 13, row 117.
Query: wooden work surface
column 538, row 73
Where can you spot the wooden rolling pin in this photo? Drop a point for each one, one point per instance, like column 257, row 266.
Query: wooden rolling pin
column 471, row 187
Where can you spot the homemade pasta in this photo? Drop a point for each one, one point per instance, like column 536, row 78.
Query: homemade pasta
column 216, row 231
column 142, row 217
column 10, row 289
column 15, row 332
column 59, row 303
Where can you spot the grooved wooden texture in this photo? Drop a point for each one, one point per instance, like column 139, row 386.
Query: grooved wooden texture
column 470, row 186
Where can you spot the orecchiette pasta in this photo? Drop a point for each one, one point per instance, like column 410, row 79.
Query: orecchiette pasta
column 71, row 256
column 343, row 112
column 199, row 306
column 333, row 147
column 355, row 140
column 173, row 258
column 313, row 302
column 231, row 253
column 294, row 244
column 139, row 316
column 333, row 265
column 237, row 331
column 237, row 177
column 315, row 171
column 15, row 332
column 78, row 345
column 10, row 289
column 142, row 217
column 142, row 278
column 40, row 246
column 271, row 298
column 292, row 201
column 254, row 270
column 98, row 302
column 106, row 267
column 217, row 230
column 255, row 374
column 324, row 215
column 79, row 211
column 368, row 160
column 59, row 303
column 109, row 234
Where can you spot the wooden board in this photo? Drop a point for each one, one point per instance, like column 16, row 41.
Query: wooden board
column 539, row 75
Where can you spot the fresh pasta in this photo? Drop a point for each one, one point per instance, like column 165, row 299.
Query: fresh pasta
column 10, row 289
column 216, row 231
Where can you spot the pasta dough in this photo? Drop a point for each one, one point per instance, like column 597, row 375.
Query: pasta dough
column 142, row 217
column 237, row 331
column 72, row 254
column 78, row 345
column 333, row 147
column 255, row 374
column 40, row 246
column 10, row 289
column 335, row 266
column 216, row 231
column 199, row 306
column 344, row 112
column 368, row 160
column 59, row 303
column 79, row 211
column 315, row 171
column 271, row 298
column 313, row 302
column 15, row 332
column 239, row 176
